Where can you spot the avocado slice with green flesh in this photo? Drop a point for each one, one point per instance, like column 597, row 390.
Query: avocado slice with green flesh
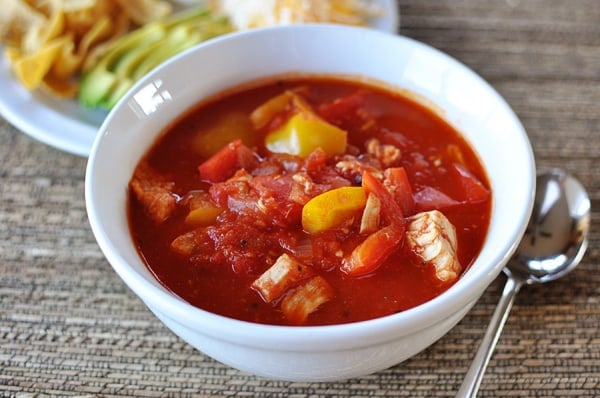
column 141, row 50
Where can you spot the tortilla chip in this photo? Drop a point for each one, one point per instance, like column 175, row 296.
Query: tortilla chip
column 51, row 42
column 78, row 5
column 60, row 87
column 17, row 19
column 12, row 54
column 67, row 62
column 31, row 69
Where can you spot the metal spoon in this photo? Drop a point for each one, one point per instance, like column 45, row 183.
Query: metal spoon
column 554, row 243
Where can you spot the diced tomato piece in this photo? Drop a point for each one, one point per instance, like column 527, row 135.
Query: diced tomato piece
column 247, row 158
column 430, row 198
column 242, row 243
column 236, row 186
column 391, row 210
column 315, row 161
column 349, row 112
column 222, row 164
column 342, row 107
column 275, row 197
column 396, row 181
column 226, row 162
column 373, row 251
column 474, row 191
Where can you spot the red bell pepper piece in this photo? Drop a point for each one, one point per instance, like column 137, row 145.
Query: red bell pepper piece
column 373, row 251
column 396, row 181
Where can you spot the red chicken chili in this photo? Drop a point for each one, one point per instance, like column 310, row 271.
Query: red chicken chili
column 309, row 201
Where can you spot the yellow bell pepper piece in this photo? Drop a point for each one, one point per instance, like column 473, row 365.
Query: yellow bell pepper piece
column 203, row 216
column 330, row 209
column 226, row 128
column 302, row 134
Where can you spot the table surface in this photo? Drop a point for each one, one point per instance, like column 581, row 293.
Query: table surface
column 69, row 326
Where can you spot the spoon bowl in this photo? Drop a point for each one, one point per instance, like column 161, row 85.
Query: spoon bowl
column 556, row 237
column 553, row 244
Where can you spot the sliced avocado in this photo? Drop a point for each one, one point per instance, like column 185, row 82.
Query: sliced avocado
column 130, row 56
column 138, row 52
column 95, row 85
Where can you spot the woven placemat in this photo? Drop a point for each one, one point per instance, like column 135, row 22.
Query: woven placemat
column 70, row 327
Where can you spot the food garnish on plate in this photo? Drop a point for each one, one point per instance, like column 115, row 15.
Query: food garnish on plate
column 135, row 54
column 246, row 14
column 48, row 44
column 94, row 50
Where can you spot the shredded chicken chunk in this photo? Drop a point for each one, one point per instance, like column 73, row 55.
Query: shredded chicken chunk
column 388, row 155
column 371, row 215
column 299, row 303
column 154, row 193
column 433, row 238
column 281, row 276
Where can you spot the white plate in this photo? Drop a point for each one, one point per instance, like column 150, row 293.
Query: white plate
column 66, row 125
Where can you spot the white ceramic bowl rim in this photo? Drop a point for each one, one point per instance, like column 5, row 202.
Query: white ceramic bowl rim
column 317, row 337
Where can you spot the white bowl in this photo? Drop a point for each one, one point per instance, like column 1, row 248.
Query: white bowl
column 323, row 352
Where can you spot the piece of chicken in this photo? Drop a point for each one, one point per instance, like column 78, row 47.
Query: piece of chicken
column 154, row 192
column 284, row 274
column 433, row 238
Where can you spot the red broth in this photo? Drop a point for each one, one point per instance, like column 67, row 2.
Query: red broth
column 252, row 203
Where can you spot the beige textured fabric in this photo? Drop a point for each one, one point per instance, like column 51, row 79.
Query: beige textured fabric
column 70, row 327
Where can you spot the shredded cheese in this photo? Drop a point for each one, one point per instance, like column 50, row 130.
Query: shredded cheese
column 247, row 14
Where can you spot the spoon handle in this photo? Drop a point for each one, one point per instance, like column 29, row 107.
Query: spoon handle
column 470, row 385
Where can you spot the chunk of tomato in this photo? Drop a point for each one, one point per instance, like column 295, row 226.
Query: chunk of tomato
column 430, row 198
column 343, row 107
column 223, row 164
column 473, row 190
